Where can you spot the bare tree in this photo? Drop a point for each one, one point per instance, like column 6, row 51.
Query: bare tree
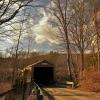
column 63, row 17
column 16, row 66
column 10, row 8
column 96, row 29
column 80, row 34
column 73, row 22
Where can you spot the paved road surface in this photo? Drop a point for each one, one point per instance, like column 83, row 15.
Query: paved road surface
column 69, row 94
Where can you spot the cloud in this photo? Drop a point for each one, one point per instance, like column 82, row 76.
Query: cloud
column 44, row 31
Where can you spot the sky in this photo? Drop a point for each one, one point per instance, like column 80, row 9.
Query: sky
column 38, row 32
column 41, row 33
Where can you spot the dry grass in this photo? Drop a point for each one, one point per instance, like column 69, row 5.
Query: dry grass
column 4, row 87
column 92, row 81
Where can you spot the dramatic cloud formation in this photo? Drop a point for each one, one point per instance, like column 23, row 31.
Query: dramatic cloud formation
column 42, row 33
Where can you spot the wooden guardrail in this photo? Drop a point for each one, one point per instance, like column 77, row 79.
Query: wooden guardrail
column 70, row 83
column 39, row 93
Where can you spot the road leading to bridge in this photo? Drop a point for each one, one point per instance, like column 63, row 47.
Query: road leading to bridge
column 69, row 94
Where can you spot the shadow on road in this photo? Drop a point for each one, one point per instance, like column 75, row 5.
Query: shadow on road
column 55, row 85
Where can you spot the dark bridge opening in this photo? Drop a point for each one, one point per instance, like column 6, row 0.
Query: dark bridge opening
column 44, row 75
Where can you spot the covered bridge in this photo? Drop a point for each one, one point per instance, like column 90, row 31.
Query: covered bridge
column 42, row 72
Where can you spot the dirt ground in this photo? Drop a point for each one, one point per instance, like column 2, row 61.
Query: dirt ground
column 69, row 94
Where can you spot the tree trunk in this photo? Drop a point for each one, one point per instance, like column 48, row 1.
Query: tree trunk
column 68, row 53
column 98, row 55
column 15, row 69
column 82, row 64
